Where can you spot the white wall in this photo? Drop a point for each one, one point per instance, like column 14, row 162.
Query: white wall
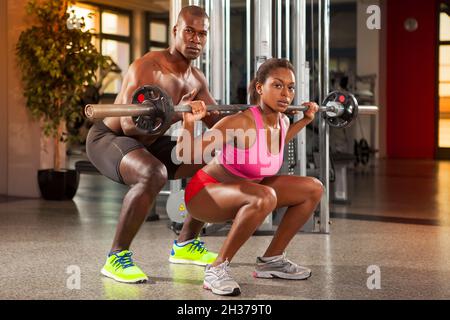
column 368, row 62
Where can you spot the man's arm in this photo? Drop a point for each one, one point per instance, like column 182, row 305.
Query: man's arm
column 132, row 81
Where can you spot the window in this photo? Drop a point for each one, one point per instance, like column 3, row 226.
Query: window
column 157, row 31
column 112, row 30
column 115, row 24
column 444, row 78
column 444, row 28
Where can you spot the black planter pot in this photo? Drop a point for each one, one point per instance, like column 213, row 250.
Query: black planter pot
column 58, row 185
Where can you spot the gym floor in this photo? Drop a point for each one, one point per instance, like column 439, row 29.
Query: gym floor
column 398, row 220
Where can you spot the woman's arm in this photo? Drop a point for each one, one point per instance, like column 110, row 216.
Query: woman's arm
column 299, row 125
column 220, row 133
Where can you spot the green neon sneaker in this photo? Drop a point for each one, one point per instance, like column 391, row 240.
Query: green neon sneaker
column 120, row 267
column 193, row 252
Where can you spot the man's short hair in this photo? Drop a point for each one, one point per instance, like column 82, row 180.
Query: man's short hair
column 195, row 11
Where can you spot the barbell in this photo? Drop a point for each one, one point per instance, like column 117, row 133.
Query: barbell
column 152, row 109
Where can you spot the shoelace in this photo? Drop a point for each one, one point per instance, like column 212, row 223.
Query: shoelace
column 124, row 261
column 283, row 261
column 286, row 260
column 223, row 272
column 291, row 265
column 198, row 245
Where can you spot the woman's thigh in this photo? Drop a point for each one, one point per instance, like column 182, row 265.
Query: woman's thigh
column 292, row 190
column 220, row 202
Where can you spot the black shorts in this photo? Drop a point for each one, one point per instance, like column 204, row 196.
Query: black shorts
column 105, row 149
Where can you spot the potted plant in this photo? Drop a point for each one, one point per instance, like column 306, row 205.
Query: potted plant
column 58, row 62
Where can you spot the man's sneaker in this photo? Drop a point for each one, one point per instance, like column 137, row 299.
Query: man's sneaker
column 193, row 252
column 119, row 266
column 218, row 280
column 280, row 267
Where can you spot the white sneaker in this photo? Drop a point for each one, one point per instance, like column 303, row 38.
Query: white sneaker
column 280, row 267
column 218, row 280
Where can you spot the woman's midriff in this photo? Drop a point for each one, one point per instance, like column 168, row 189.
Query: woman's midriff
column 218, row 172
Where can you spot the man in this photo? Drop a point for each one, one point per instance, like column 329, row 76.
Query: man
column 122, row 153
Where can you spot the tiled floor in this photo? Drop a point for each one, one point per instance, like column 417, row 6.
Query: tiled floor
column 398, row 221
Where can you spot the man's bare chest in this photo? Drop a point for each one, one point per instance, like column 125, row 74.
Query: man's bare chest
column 177, row 86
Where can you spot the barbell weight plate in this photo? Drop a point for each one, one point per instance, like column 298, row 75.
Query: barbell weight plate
column 350, row 109
column 176, row 207
column 161, row 118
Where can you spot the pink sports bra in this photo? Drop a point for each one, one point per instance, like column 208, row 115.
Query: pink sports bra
column 255, row 162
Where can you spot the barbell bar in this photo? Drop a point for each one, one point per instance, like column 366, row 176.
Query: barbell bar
column 100, row 111
column 152, row 109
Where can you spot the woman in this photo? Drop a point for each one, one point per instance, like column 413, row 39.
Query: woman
column 240, row 184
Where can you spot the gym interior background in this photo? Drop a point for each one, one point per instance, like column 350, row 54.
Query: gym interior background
column 388, row 174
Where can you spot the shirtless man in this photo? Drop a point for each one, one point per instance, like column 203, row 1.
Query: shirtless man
column 120, row 152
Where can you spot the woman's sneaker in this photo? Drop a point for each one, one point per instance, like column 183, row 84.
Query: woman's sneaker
column 120, row 267
column 194, row 252
column 219, row 281
column 280, row 267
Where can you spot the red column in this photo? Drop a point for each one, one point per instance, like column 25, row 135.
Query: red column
column 411, row 79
